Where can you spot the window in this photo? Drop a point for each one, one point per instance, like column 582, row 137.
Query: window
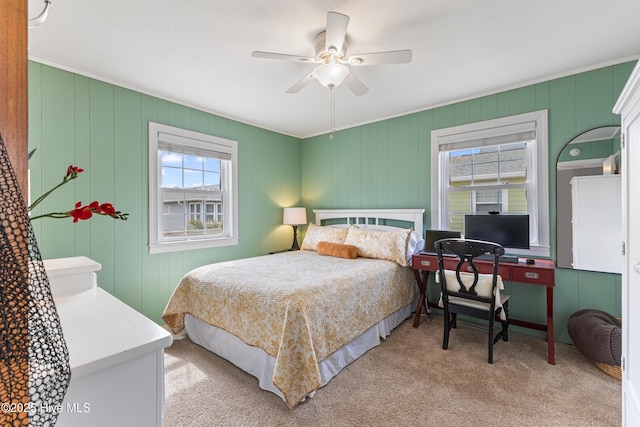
column 193, row 200
column 498, row 165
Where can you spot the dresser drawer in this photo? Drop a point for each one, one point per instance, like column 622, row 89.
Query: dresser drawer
column 532, row 275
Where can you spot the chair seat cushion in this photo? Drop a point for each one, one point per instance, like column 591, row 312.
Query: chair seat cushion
column 483, row 288
column 597, row 334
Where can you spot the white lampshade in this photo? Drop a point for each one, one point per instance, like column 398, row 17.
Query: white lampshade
column 331, row 75
column 295, row 216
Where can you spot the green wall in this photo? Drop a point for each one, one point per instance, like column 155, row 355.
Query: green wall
column 387, row 165
column 104, row 129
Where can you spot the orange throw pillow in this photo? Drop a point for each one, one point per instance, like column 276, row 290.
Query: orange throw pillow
column 339, row 250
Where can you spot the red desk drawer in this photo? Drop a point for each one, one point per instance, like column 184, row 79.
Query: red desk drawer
column 425, row 263
column 526, row 274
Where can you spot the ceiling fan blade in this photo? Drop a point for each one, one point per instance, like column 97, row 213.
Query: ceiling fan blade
column 336, row 31
column 390, row 57
column 301, row 83
column 282, row 56
column 356, row 86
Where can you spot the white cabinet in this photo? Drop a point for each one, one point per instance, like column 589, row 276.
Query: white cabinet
column 116, row 354
column 597, row 223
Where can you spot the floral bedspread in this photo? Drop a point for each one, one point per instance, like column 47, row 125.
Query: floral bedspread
column 299, row 307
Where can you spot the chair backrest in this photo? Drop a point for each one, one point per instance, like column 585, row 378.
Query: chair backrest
column 466, row 272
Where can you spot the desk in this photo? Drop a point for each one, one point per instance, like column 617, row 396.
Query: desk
column 542, row 273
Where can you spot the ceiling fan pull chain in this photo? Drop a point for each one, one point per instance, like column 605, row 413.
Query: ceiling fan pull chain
column 332, row 112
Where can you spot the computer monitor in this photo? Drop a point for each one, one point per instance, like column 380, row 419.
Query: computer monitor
column 508, row 230
column 431, row 236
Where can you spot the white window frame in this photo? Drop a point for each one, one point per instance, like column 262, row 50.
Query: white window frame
column 197, row 215
column 477, row 134
column 216, row 214
column 504, row 199
column 204, row 142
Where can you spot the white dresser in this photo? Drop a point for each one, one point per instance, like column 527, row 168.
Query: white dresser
column 116, row 354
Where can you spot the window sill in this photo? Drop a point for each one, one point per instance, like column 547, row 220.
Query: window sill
column 161, row 248
column 534, row 251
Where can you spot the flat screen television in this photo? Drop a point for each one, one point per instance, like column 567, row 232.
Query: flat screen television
column 510, row 231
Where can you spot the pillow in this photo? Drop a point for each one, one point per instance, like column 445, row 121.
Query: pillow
column 483, row 288
column 389, row 245
column 416, row 244
column 339, row 250
column 316, row 233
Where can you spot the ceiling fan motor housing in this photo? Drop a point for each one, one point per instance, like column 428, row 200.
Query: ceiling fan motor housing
column 324, row 54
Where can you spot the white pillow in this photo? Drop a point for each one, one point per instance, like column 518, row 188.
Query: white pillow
column 416, row 244
column 389, row 245
column 316, row 233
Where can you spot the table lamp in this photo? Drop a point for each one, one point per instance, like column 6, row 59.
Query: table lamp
column 295, row 217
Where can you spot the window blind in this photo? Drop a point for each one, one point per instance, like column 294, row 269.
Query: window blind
column 519, row 132
column 191, row 146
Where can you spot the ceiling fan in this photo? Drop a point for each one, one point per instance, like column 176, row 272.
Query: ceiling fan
column 331, row 55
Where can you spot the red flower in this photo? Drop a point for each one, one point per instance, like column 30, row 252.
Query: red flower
column 86, row 212
column 107, row 208
column 73, row 171
column 79, row 212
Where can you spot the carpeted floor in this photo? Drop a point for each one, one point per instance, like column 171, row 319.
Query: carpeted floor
column 407, row 380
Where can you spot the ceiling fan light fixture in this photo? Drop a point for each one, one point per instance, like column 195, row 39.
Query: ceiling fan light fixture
column 331, row 75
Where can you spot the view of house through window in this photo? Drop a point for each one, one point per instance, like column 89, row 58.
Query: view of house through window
column 486, row 179
column 497, row 166
column 193, row 200
column 192, row 195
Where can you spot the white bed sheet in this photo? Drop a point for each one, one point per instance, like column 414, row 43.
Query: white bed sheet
column 258, row 363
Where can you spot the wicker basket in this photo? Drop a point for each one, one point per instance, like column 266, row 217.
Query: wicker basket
column 612, row 370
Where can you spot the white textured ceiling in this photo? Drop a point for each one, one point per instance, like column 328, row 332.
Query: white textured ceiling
column 198, row 52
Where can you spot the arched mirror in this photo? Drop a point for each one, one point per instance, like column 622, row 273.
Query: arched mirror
column 588, row 208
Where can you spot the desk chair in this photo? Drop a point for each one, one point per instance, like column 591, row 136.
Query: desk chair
column 465, row 291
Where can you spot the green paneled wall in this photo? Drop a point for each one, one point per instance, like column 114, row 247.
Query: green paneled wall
column 104, row 129
column 387, row 165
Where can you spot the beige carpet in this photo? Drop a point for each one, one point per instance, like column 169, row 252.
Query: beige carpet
column 407, row 380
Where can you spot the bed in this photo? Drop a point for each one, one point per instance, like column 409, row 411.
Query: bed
column 295, row 319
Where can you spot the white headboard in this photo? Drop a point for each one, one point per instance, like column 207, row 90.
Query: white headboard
column 372, row 216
